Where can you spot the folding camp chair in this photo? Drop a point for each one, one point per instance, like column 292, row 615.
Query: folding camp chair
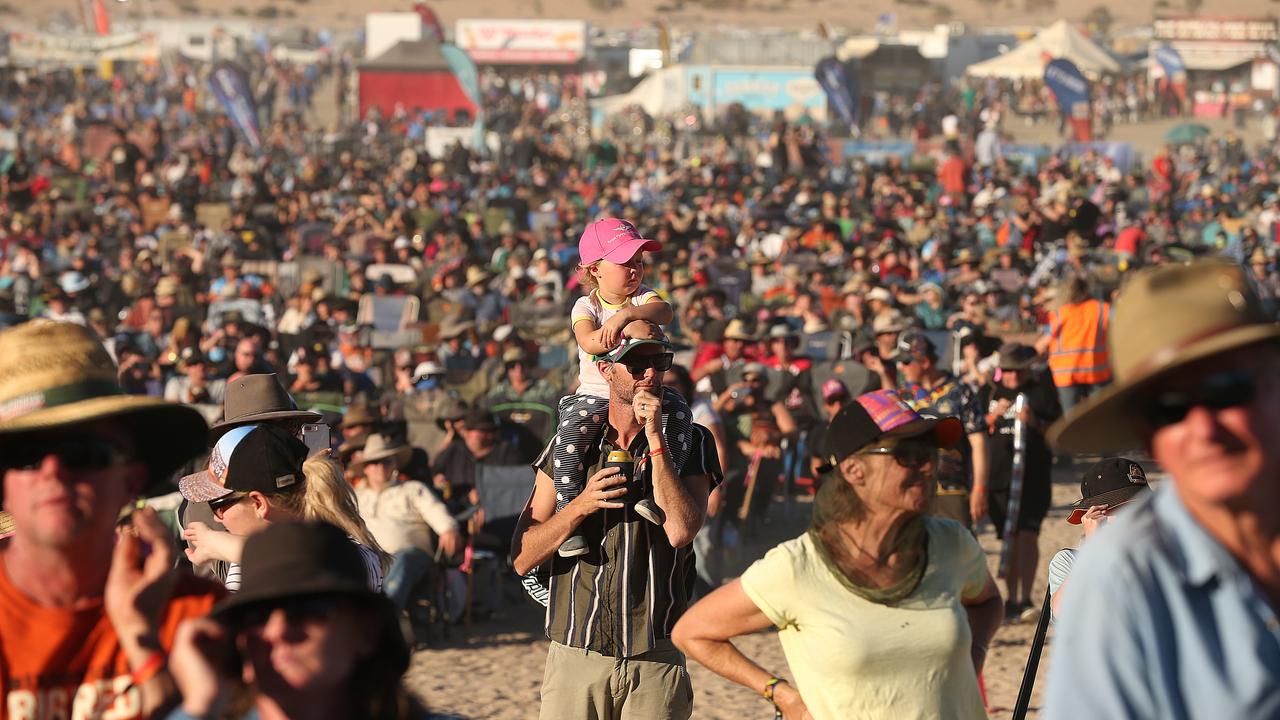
column 503, row 491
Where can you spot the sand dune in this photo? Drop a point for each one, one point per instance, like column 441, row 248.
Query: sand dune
column 853, row 15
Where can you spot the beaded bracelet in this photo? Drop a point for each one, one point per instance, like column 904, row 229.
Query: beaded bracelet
column 149, row 669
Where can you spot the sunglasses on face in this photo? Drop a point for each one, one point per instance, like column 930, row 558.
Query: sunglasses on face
column 638, row 365
column 297, row 610
column 1219, row 391
column 224, row 503
column 909, row 455
column 78, row 454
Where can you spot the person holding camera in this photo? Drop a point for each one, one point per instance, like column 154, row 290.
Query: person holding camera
column 315, row 639
column 259, row 475
column 754, row 426
column 193, row 385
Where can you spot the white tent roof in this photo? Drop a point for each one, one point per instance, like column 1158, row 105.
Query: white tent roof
column 1060, row 40
column 660, row 92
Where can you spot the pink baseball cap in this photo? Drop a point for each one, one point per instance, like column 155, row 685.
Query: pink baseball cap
column 614, row 240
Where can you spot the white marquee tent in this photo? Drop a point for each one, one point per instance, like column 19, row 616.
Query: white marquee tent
column 1060, row 40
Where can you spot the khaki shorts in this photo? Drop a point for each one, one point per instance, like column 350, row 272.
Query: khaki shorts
column 952, row 504
column 581, row 684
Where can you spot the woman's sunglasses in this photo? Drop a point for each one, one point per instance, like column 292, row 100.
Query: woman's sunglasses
column 1219, row 391
column 224, row 503
column 909, row 455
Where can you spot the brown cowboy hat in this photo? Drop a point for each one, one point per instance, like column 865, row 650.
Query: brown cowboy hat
column 380, row 447
column 360, row 414
column 453, row 409
column 258, row 398
column 1165, row 318
column 54, row 374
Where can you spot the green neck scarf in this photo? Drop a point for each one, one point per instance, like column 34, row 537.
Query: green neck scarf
column 914, row 535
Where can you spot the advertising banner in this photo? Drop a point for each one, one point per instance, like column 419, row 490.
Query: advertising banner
column 841, row 88
column 229, row 85
column 759, row 90
column 1170, row 61
column 464, row 69
column 1071, row 89
column 522, row 42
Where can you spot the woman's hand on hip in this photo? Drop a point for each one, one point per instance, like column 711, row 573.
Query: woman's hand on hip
column 788, row 700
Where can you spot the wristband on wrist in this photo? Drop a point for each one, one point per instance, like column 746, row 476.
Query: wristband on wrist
column 658, row 451
column 770, row 687
column 148, row 669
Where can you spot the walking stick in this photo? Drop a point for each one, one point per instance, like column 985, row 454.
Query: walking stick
column 753, row 470
column 1015, row 483
column 1033, row 662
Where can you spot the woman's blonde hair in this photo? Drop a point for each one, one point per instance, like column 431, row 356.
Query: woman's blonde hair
column 326, row 495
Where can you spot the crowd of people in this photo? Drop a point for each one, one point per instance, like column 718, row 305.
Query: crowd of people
column 373, row 334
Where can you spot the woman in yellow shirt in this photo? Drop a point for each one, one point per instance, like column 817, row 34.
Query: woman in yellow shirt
column 882, row 611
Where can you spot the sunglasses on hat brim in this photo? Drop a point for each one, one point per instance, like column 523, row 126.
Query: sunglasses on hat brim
column 638, row 364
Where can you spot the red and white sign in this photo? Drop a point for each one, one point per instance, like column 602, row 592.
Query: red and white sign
column 1263, row 30
column 522, row 42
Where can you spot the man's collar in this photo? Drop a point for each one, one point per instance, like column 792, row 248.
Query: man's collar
column 1200, row 558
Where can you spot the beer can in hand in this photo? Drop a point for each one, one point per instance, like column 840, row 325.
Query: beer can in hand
column 626, row 464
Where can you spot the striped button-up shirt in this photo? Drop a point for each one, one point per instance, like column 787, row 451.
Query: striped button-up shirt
column 626, row 594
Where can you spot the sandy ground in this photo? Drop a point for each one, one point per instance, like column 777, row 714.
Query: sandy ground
column 853, row 15
column 494, row 669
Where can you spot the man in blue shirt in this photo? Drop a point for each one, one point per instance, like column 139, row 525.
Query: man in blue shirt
column 1171, row 610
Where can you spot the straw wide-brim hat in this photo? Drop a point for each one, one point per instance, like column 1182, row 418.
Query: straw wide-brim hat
column 1165, row 318
column 54, row 374
column 380, row 447
column 737, row 330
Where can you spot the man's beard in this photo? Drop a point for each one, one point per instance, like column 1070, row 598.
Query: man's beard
column 623, row 395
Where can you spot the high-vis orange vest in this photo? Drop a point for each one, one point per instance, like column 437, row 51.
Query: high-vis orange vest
column 1078, row 355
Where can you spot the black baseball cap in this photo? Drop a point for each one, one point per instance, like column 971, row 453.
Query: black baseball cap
column 265, row 458
column 1109, row 482
column 881, row 415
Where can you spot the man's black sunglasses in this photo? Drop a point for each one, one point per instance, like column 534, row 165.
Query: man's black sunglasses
column 78, row 454
column 638, row 364
column 1219, row 391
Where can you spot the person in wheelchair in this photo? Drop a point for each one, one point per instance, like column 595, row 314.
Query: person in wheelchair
column 406, row 517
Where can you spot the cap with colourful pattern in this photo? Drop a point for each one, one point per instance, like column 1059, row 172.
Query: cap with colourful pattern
column 879, row 415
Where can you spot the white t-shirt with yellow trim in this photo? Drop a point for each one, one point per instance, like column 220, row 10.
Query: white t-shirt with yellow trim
column 853, row 658
column 593, row 308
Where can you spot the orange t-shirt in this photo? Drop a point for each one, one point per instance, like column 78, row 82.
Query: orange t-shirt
column 67, row 664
